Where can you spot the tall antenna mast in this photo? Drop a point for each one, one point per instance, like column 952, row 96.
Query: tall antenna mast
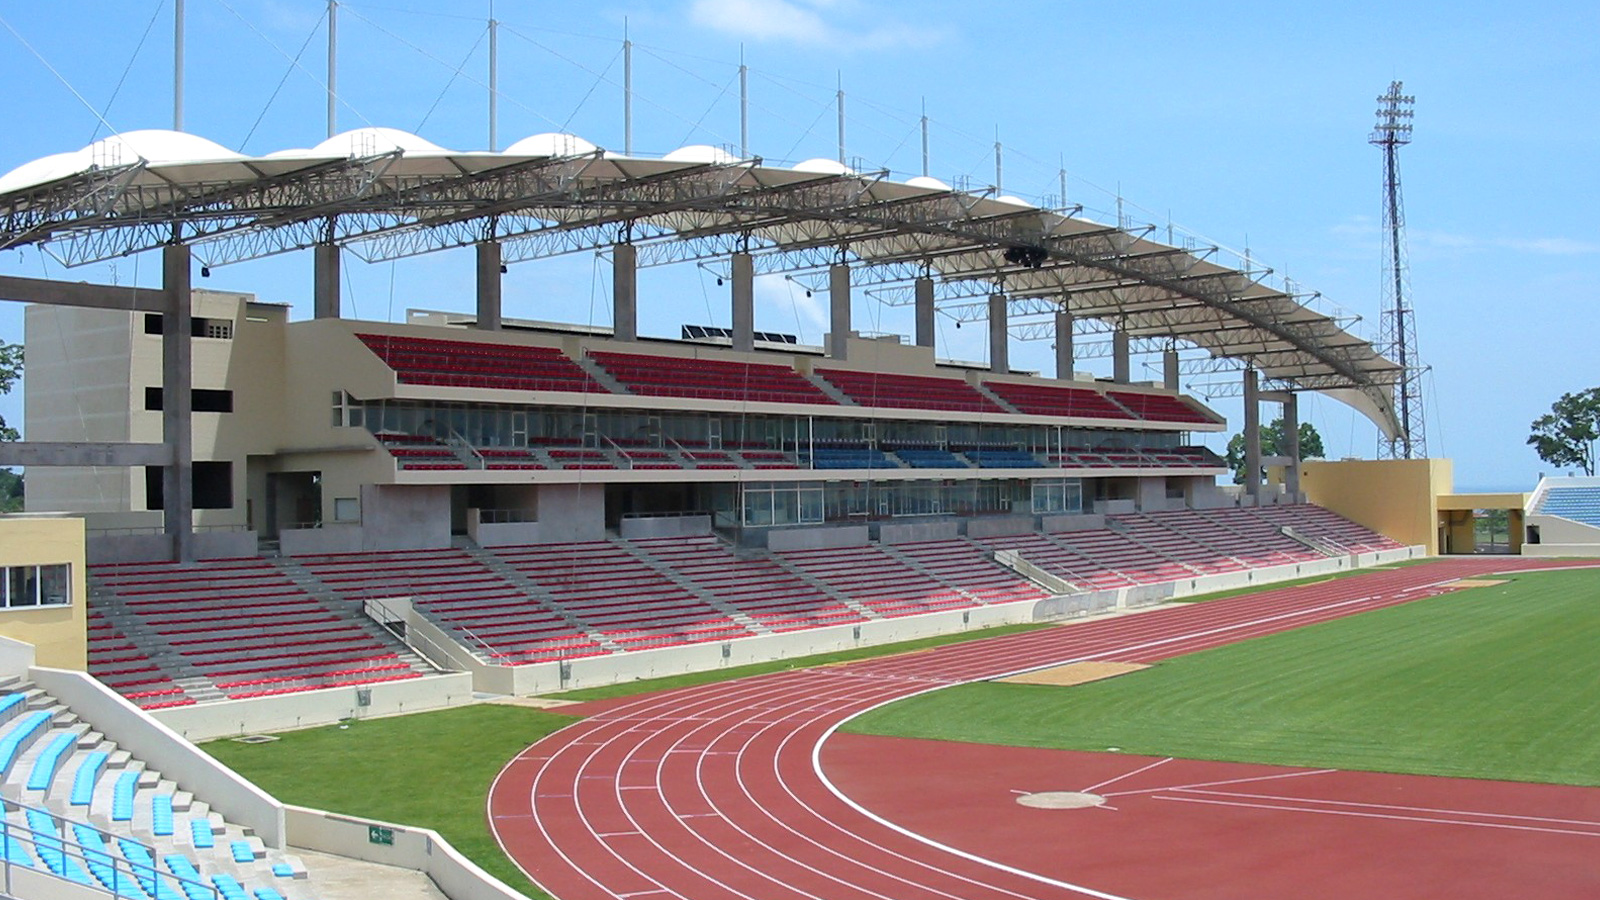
column 177, row 66
column 333, row 67
column 1397, row 337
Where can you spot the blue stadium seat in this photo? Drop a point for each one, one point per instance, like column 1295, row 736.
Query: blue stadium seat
column 200, row 830
column 19, row 736
column 161, row 815
column 87, row 776
column 122, row 796
column 45, row 766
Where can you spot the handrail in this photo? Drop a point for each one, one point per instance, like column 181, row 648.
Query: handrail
column 620, row 452
column 1052, row 582
column 457, row 440
column 74, row 852
column 406, row 636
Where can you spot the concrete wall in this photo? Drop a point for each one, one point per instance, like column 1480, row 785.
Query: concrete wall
column 419, row 849
column 164, row 749
column 998, row 526
column 1086, row 522
column 115, row 548
column 1394, row 497
column 665, row 526
column 58, row 633
column 779, row 539
column 906, row 532
column 207, row 721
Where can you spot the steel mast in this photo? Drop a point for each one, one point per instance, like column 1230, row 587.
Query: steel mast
column 1397, row 327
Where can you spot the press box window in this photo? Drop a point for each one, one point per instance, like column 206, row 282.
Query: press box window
column 200, row 400
column 22, row 586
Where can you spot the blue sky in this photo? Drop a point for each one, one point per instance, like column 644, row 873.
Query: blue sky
column 1242, row 122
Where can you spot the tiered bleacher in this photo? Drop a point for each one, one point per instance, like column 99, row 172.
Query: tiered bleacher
column 617, row 597
column 875, row 580
column 85, row 811
column 965, row 566
column 127, row 669
column 416, row 451
column 1158, row 407
column 240, row 624
column 1328, row 527
column 908, row 391
column 1002, row 458
column 1051, row 400
column 484, row 610
column 1580, row 504
column 774, row 598
column 708, row 379
column 454, row 363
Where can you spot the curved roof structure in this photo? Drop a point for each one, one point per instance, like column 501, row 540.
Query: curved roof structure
column 384, row 194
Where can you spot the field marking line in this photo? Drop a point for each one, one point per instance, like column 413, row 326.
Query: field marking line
column 1421, row 809
column 1201, row 784
column 1094, row 787
column 1372, row 815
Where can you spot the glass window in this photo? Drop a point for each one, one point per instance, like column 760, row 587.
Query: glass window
column 22, row 586
column 55, row 586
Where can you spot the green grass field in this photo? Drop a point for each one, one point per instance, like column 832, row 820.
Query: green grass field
column 1494, row 682
column 431, row 769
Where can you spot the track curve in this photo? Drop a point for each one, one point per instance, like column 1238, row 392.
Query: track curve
column 714, row 792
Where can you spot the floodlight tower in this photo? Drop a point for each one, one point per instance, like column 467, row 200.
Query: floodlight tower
column 1397, row 327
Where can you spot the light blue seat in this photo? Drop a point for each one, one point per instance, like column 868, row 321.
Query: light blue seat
column 96, row 855
column 52, row 852
column 189, row 876
column 200, row 830
column 19, row 736
column 242, row 852
column 48, row 762
column 161, row 815
column 229, row 887
column 122, row 796
column 87, row 776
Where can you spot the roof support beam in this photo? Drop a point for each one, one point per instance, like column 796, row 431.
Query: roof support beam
column 82, row 453
column 78, row 293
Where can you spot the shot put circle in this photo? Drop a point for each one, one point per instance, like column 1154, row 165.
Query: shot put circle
column 1061, row 800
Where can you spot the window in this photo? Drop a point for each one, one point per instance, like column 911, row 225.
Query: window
column 220, row 329
column 1063, row 495
column 22, row 586
column 200, row 400
column 212, row 485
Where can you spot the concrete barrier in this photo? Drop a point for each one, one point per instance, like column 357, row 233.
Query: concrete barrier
column 418, row 849
column 303, row 709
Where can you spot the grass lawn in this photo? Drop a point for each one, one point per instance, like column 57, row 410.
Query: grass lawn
column 429, row 769
column 1494, row 682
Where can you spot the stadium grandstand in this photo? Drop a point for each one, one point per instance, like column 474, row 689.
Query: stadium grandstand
column 239, row 522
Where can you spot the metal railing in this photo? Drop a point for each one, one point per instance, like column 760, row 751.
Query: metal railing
column 102, row 870
column 421, row 644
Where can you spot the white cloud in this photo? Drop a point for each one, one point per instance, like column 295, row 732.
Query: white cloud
column 847, row 25
column 1367, row 232
column 786, row 302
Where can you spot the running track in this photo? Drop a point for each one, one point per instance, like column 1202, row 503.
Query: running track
column 714, row 792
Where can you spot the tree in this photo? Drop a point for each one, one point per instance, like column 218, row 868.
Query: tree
column 1566, row 435
column 10, row 371
column 10, row 482
column 1272, row 444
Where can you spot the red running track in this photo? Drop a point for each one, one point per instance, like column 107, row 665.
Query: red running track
column 715, row 792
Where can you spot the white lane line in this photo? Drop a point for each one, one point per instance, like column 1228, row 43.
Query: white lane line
column 1427, row 820
column 1203, row 784
column 1095, row 787
column 1391, row 806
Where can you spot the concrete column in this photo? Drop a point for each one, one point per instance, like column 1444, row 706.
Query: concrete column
column 1291, row 444
column 743, row 271
column 1169, row 369
column 1064, row 358
column 1252, row 434
column 325, row 281
column 625, row 292
column 489, row 285
column 924, row 296
column 1121, row 371
column 838, row 310
column 177, row 382
column 999, row 334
